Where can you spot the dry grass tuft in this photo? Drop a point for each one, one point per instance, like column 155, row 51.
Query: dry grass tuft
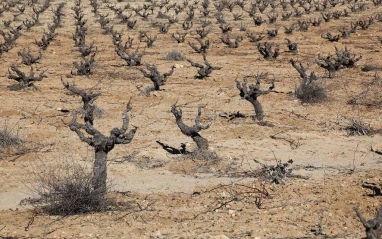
column 10, row 142
column 174, row 55
column 312, row 92
column 371, row 67
column 67, row 189
column 8, row 139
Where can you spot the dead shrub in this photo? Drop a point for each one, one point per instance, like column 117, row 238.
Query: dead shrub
column 174, row 55
column 278, row 174
column 357, row 127
column 12, row 146
column 10, row 143
column 312, row 92
column 8, row 139
column 310, row 89
column 202, row 154
column 67, row 189
column 371, row 67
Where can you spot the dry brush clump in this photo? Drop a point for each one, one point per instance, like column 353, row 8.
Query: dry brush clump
column 280, row 173
column 12, row 146
column 310, row 89
column 9, row 140
column 358, row 127
column 371, row 66
column 174, row 55
column 67, row 189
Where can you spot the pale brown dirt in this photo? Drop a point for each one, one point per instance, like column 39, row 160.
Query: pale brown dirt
column 292, row 211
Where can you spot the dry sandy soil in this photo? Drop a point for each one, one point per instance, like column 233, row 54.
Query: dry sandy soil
column 181, row 198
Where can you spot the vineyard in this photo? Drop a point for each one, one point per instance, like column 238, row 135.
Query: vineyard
column 191, row 119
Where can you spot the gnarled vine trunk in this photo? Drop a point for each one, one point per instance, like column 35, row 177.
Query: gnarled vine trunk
column 201, row 142
column 100, row 170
